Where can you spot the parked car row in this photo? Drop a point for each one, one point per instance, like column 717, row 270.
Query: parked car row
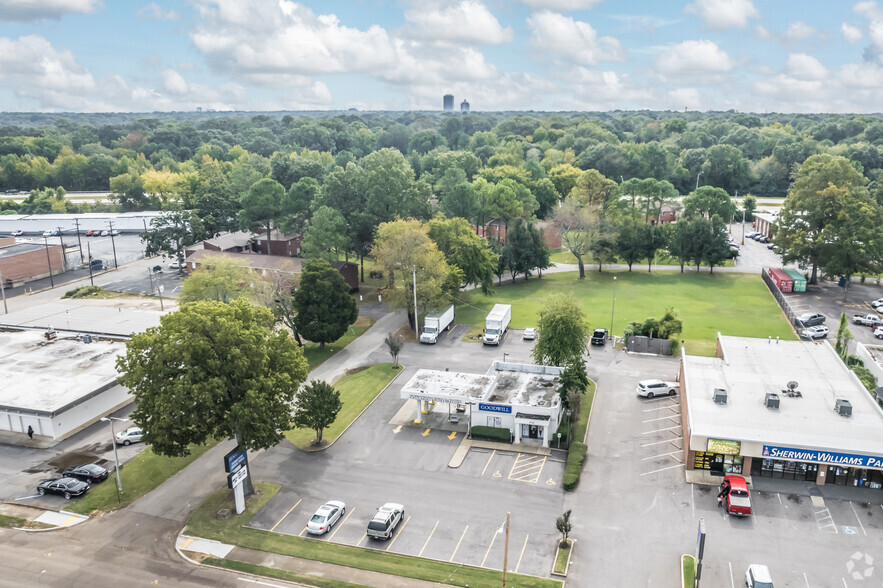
column 74, row 481
column 381, row 526
column 89, row 233
column 759, row 237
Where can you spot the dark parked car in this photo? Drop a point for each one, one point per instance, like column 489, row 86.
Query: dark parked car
column 89, row 472
column 67, row 487
column 599, row 337
column 811, row 319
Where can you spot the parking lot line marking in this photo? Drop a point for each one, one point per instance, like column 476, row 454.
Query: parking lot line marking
column 285, row 515
column 660, row 455
column 397, row 533
column 397, row 430
column 452, row 435
column 488, row 552
column 659, row 430
column 732, row 582
column 860, row 525
column 187, row 542
column 665, row 418
column 660, row 442
column 527, row 468
column 805, row 579
column 680, row 465
column 302, row 531
column 458, row 543
column 431, row 533
column 426, row 432
column 362, row 538
column 523, row 547
column 673, row 406
column 488, row 462
column 340, row 523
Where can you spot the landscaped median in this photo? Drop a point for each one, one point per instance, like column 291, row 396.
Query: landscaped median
column 141, row 475
column 562, row 557
column 688, row 571
column 357, row 390
column 232, row 531
column 576, row 454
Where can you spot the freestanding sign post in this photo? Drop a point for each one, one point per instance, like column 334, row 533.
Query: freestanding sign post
column 236, row 463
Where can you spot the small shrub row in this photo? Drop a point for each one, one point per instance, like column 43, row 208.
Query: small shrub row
column 574, row 466
column 82, row 292
column 491, row 434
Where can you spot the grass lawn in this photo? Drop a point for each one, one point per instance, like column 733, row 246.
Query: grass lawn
column 689, row 564
column 279, row 574
column 563, row 556
column 316, row 356
column 734, row 304
column 357, row 390
column 204, row 524
column 139, row 476
column 95, row 292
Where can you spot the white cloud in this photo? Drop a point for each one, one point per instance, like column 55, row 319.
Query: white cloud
column 644, row 22
column 466, row 21
column 36, row 10
column 693, row 58
column 573, row 40
column 561, row 5
column 869, row 10
column 805, row 67
column 154, row 11
column 37, row 71
column 763, row 33
column 689, row 98
column 724, row 14
column 799, row 31
column 603, row 90
column 850, row 33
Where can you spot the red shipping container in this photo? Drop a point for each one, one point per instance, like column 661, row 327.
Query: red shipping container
column 783, row 281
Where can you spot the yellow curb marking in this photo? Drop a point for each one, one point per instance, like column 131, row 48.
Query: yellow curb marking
column 488, row 462
column 186, row 543
column 352, row 510
column 399, row 532
column 426, row 432
column 458, row 543
column 428, row 538
column 452, row 435
column 518, row 565
column 488, row 552
column 397, row 429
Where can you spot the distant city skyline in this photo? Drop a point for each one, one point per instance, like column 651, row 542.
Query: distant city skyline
column 164, row 55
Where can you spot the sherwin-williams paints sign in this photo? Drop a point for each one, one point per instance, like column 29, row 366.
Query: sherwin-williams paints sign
column 844, row 459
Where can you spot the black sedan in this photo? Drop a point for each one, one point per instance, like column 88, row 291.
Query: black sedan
column 89, row 472
column 67, row 487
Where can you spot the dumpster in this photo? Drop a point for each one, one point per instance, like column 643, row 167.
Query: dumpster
column 799, row 280
column 782, row 280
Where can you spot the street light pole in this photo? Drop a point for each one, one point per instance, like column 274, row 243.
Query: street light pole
column 49, row 262
column 613, row 308
column 743, row 225
column 3, row 290
column 116, row 459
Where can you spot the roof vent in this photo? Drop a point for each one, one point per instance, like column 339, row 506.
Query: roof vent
column 720, row 396
column 541, row 402
column 792, row 391
column 771, row 400
column 843, row 407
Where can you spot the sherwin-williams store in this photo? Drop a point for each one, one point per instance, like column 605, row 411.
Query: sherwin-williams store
column 779, row 409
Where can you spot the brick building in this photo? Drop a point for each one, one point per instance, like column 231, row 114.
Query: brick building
column 24, row 262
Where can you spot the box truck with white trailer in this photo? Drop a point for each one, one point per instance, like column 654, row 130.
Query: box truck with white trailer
column 435, row 323
column 496, row 324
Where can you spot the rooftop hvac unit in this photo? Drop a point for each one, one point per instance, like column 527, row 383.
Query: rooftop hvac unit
column 771, row 400
column 843, row 407
column 720, row 396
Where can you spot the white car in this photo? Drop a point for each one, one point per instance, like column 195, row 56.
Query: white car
column 175, row 265
column 878, row 332
column 652, row 388
column 17, row 233
column 817, row 332
column 129, row 436
column 758, row 576
column 876, row 303
column 325, row 518
column 530, row 334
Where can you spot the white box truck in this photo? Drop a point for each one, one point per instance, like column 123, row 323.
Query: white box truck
column 497, row 323
column 435, row 323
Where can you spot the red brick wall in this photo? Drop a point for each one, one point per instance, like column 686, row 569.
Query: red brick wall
column 31, row 265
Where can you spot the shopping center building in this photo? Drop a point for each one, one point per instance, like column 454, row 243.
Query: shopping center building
column 779, row 409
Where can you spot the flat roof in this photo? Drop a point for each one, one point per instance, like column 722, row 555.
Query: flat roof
column 453, row 385
column 41, row 375
column 106, row 316
column 752, row 367
column 23, row 247
column 524, row 388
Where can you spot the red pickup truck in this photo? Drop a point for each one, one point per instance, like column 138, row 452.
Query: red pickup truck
column 734, row 492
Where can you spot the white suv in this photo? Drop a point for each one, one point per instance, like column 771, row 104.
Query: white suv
column 651, row 388
column 386, row 520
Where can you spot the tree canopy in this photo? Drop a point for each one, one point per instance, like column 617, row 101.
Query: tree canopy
column 564, row 332
column 325, row 309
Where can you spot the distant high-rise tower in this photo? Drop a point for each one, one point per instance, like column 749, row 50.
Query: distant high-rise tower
column 449, row 102
column 464, row 106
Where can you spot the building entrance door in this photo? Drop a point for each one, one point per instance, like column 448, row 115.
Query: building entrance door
column 533, row 432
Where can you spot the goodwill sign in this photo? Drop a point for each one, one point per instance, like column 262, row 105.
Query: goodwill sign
column 844, row 459
column 493, row 407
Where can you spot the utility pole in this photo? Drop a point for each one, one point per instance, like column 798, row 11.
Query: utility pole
column 506, row 551
column 63, row 254
column 113, row 244
column 79, row 243
column 3, row 290
column 89, row 248
column 48, row 262
column 416, row 326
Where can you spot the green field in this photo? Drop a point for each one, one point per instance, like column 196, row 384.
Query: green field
column 734, row 304
column 357, row 390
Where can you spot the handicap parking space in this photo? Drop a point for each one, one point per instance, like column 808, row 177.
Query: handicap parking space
column 513, row 467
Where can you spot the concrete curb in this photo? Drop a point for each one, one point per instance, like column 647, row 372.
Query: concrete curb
column 324, row 447
column 82, row 519
column 591, row 412
column 569, row 559
column 683, row 557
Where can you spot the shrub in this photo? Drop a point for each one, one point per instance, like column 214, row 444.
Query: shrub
column 491, row 434
column 82, row 292
column 574, row 467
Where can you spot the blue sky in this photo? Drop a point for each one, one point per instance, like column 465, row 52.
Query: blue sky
column 138, row 55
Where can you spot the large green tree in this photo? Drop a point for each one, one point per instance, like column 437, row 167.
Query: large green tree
column 564, row 331
column 707, row 202
column 212, row 371
column 465, row 250
column 829, row 218
column 223, row 281
column 317, row 406
column 261, row 206
column 171, row 232
column 326, row 236
column 325, row 309
column 579, row 225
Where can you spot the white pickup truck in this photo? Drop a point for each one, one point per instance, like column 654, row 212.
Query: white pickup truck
column 868, row 320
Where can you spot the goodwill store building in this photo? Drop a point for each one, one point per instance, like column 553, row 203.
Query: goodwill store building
column 779, row 409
